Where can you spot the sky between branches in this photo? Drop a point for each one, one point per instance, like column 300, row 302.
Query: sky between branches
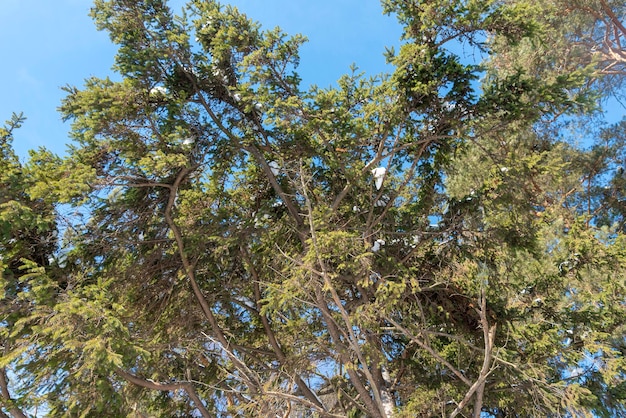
column 48, row 44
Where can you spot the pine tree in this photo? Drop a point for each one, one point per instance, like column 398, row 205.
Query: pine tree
column 430, row 242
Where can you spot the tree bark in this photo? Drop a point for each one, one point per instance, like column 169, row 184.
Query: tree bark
column 167, row 387
column 478, row 388
column 4, row 391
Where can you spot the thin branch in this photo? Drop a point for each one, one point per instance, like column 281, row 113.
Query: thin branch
column 167, row 387
column 291, row 206
column 304, row 402
column 379, row 157
column 431, row 351
column 280, row 355
column 253, row 383
column 373, row 408
column 614, row 19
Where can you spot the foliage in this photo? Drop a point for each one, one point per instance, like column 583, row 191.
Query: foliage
column 224, row 250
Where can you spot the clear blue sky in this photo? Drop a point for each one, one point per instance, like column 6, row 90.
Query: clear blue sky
column 47, row 44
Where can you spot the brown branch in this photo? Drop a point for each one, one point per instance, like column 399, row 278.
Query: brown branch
column 379, row 156
column 377, row 409
column 614, row 19
column 431, row 351
column 344, row 357
column 489, row 335
column 166, row 387
column 188, row 267
column 300, row 400
column 6, row 396
column 291, row 206
column 269, row 332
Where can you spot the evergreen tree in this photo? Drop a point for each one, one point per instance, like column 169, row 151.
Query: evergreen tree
column 430, row 242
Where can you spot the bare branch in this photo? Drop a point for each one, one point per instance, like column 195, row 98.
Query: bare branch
column 430, row 350
column 167, row 387
column 489, row 334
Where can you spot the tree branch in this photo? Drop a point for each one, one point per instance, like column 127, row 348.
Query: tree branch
column 252, row 382
column 4, row 392
column 431, row 351
column 167, row 387
column 377, row 408
column 489, row 335
column 280, row 355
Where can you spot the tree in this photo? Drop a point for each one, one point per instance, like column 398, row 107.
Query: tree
column 24, row 224
column 412, row 244
column 605, row 36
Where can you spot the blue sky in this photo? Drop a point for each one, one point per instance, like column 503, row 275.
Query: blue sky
column 47, row 44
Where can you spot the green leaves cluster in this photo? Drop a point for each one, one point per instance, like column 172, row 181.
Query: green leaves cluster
column 215, row 244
